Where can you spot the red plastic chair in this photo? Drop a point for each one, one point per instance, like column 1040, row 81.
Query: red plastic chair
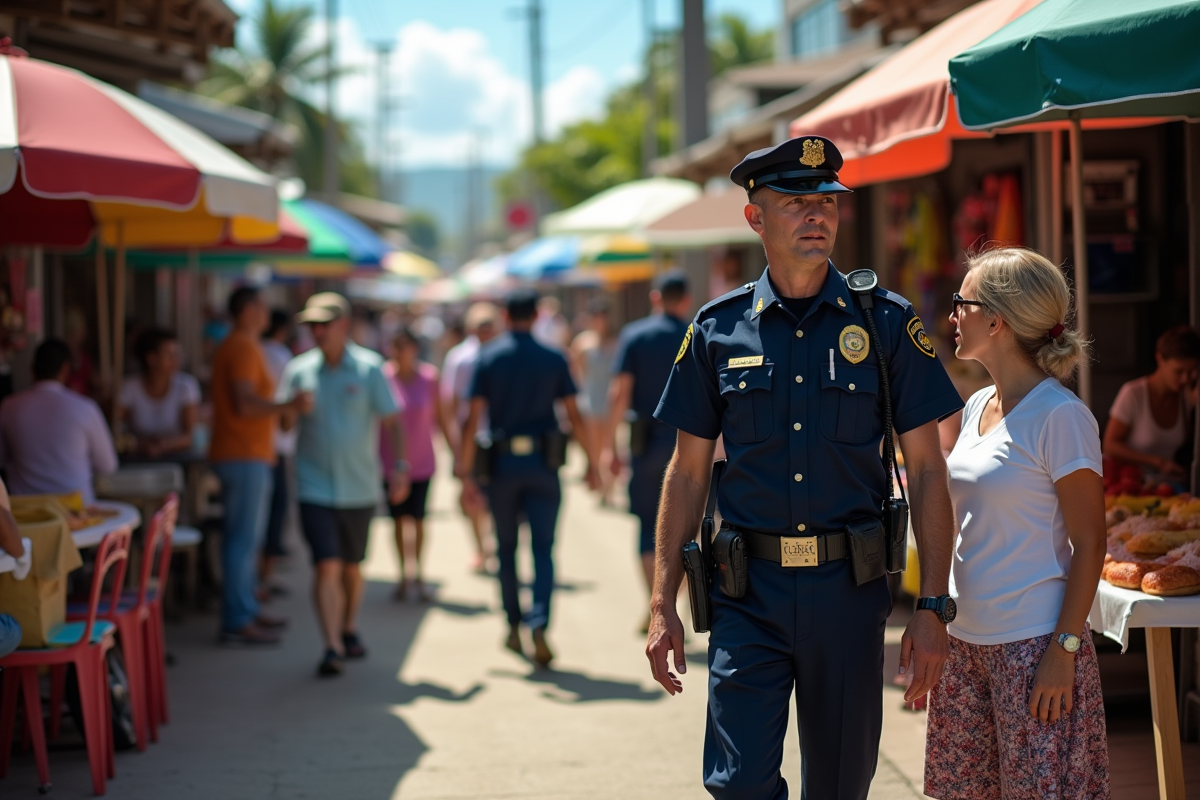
column 139, row 621
column 83, row 644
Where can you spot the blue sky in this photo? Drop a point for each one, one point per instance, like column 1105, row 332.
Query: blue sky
column 460, row 69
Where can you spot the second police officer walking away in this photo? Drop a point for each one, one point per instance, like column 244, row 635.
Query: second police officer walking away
column 790, row 371
column 517, row 383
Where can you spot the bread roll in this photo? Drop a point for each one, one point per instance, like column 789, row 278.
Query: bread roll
column 1128, row 574
column 1172, row 581
column 1157, row 543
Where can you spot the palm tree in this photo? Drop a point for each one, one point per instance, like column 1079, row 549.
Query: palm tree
column 271, row 75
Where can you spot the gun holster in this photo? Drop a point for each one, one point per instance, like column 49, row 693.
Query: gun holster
column 639, row 436
column 697, row 559
column 729, row 553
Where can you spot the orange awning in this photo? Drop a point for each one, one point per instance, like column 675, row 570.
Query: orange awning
column 899, row 120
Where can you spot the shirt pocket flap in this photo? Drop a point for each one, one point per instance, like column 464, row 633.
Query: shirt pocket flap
column 741, row 381
column 852, row 379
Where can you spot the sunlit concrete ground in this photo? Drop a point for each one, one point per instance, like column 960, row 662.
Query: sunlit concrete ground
column 440, row 710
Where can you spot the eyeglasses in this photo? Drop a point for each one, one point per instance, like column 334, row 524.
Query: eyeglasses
column 958, row 301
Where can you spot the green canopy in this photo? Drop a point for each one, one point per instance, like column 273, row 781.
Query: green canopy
column 1098, row 58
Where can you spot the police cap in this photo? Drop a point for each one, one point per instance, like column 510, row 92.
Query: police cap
column 804, row 165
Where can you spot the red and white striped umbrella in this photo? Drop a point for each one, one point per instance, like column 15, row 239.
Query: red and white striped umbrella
column 67, row 137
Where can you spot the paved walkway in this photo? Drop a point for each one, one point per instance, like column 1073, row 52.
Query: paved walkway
column 440, row 710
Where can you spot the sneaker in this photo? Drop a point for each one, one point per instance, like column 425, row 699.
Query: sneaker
column 331, row 665
column 353, row 646
column 542, row 655
column 270, row 623
column 249, row 636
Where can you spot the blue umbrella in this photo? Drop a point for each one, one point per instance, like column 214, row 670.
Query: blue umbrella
column 545, row 257
column 363, row 245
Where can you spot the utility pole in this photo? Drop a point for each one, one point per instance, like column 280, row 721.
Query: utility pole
column 534, row 12
column 650, row 131
column 695, row 70
column 383, row 107
column 331, row 178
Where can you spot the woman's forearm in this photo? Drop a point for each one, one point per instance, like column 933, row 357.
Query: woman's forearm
column 1124, row 452
column 1082, row 580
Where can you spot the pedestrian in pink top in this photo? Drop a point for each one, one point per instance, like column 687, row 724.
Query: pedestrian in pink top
column 416, row 382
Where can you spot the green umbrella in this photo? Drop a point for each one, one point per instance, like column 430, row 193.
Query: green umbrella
column 1074, row 59
column 1099, row 58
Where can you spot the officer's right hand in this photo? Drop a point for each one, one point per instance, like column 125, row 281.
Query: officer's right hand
column 666, row 635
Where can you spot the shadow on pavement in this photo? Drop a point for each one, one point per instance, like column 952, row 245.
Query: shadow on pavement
column 408, row 692
column 583, row 688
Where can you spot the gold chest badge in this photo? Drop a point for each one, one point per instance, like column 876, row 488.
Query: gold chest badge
column 814, row 153
column 687, row 340
column 916, row 332
column 854, row 344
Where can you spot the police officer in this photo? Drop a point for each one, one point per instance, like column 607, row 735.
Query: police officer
column 645, row 351
column 516, row 384
column 783, row 369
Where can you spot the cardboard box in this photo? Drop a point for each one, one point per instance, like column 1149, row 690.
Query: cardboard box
column 40, row 601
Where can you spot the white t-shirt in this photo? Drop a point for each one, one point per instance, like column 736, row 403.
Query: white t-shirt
column 1012, row 553
column 1132, row 407
column 159, row 416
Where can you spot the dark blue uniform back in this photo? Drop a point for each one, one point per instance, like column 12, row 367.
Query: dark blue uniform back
column 797, row 402
column 521, row 379
column 645, row 351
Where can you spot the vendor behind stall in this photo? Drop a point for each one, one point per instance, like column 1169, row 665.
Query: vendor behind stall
column 1149, row 420
column 159, row 407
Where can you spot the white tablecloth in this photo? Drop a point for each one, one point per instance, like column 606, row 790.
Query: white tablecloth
column 126, row 515
column 18, row 566
column 1115, row 611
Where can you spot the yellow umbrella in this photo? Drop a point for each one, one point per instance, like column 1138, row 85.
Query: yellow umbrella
column 405, row 264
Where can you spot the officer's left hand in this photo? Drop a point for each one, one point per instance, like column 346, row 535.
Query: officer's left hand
column 923, row 651
column 398, row 487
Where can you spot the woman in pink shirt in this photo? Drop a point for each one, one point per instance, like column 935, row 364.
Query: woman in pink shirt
column 416, row 383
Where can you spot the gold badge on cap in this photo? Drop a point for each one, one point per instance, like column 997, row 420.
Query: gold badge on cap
column 854, row 344
column 687, row 340
column 916, row 332
column 814, row 153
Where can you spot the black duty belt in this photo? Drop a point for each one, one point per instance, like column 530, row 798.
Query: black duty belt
column 794, row 551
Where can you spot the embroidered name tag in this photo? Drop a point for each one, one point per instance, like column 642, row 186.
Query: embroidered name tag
column 745, row 361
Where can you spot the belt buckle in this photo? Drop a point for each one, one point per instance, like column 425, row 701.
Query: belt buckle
column 798, row 551
column 521, row 445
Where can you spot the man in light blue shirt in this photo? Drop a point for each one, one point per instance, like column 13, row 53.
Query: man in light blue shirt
column 337, row 465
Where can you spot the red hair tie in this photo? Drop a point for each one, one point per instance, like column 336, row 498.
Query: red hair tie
column 1057, row 331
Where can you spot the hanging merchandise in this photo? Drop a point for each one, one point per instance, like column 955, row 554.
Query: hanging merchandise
column 991, row 215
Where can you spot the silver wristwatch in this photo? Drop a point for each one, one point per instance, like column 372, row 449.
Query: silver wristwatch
column 1069, row 642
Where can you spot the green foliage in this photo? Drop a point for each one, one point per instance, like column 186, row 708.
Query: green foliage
column 733, row 44
column 273, row 75
column 593, row 155
column 422, row 231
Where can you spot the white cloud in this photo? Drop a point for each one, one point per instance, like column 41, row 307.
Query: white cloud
column 450, row 93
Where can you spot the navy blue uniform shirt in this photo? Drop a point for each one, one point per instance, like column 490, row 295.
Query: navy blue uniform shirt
column 520, row 379
column 645, row 350
column 802, row 434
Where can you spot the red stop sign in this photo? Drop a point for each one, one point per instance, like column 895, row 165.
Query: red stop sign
column 519, row 215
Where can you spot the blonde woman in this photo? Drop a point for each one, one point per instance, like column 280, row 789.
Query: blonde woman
column 1018, row 713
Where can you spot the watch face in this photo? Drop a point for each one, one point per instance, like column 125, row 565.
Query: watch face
column 1069, row 642
column 950, row 610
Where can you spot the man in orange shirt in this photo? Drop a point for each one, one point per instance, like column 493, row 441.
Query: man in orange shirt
column 242, row 453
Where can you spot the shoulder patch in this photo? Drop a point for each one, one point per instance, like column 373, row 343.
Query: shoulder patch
column 916, row 332
column 687, row 340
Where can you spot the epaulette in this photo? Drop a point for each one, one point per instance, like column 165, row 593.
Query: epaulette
column 725, row 298
column 891, row 296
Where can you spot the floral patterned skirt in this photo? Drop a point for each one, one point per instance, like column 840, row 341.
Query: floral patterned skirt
column 983, row 743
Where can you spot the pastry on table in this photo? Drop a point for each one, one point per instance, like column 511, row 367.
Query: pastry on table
column 1172, row 581
column 1159, row 543
column 1128, row 574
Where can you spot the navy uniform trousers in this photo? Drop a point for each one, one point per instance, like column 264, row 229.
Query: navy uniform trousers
column 813, row 630
column 525, row 488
